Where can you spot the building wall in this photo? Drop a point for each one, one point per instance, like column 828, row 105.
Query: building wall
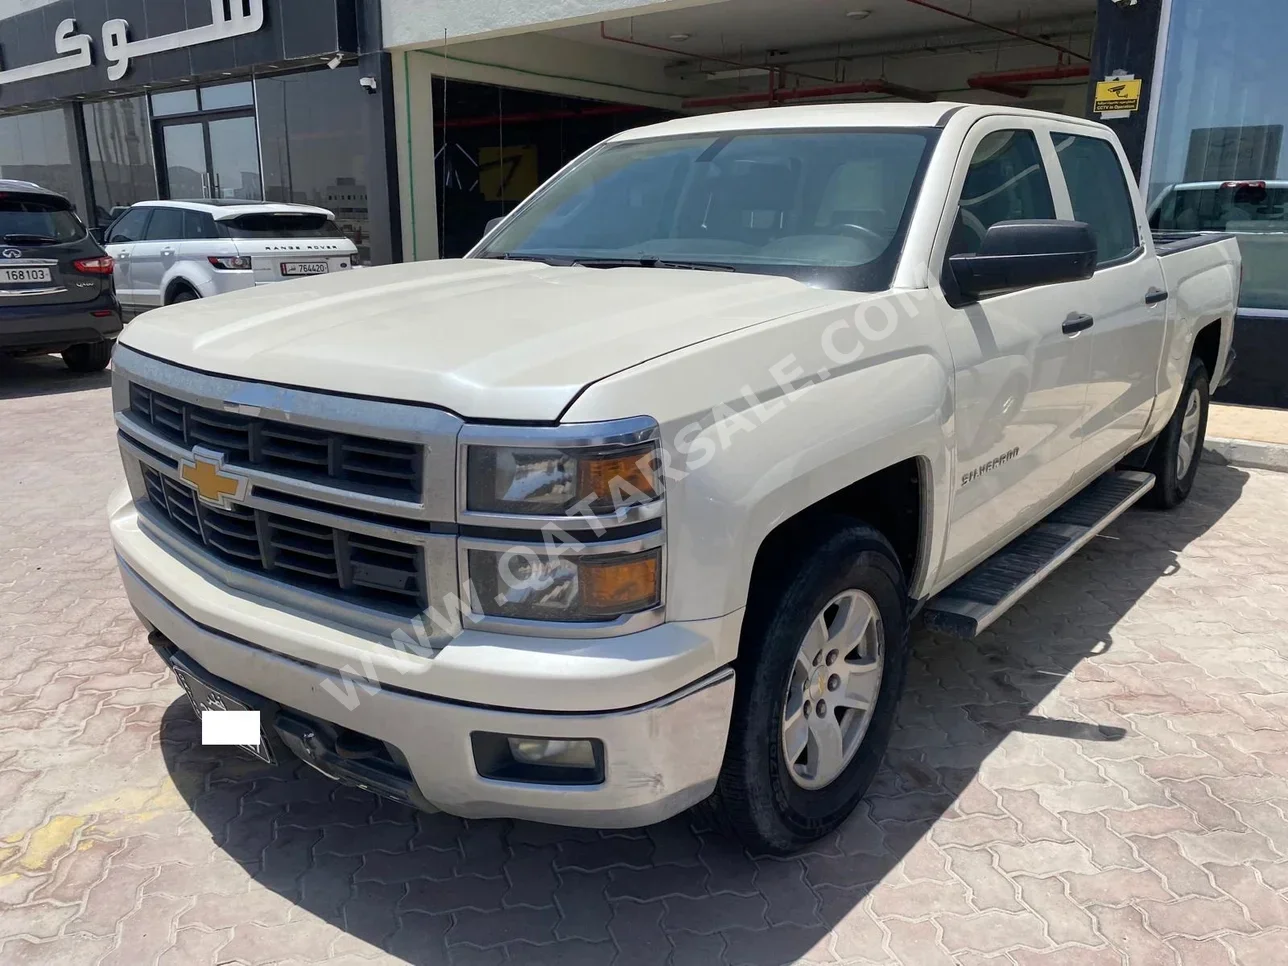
column 10, row 7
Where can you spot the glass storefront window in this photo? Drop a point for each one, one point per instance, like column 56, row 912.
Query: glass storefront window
column 227, row 95
column 313, row 139
column 38, row 147
column 174, row 102
column 120, row 155
column 1218, row 161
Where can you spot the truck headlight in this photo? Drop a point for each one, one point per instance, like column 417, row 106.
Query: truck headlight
column 560, row 480
column 531, row 583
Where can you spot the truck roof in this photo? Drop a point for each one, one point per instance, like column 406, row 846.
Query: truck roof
column 886, row 115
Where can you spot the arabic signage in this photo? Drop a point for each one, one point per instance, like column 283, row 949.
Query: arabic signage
column 71, row 47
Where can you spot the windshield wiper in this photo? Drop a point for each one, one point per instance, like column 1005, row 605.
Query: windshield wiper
column 521, row 257
column 20, row 238
column 649, row 261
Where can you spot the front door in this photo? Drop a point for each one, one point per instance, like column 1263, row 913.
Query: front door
column 1021, row 380
column 211, row 158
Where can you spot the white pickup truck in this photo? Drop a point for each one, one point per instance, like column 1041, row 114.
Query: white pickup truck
column 631, row 509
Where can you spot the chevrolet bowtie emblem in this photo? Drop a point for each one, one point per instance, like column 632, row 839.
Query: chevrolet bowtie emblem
column 204, row 472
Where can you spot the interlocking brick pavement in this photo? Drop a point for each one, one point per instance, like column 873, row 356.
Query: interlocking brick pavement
column 1103, row 779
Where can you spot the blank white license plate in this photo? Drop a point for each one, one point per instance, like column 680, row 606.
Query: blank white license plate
column 19, row 275
column 305, row 268
column 206, row 698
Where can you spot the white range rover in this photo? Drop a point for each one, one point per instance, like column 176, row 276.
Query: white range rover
column 176, row 251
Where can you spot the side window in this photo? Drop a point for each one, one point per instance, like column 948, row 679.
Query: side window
column 1006, row 182
column 129, row 227
column 166, row 225
column 1099, row 192
column 198, row 225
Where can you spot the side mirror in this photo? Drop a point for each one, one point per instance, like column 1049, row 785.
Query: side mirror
column 98, row 234
column 492, row 223
column 1024, row 254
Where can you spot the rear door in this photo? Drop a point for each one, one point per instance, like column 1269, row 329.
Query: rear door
column 1127, row 298
column 41, row 240
column 156, row 254
column 1021, row 378
column 122, row 235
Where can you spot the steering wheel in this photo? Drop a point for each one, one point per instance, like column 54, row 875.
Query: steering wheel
column 865, row 232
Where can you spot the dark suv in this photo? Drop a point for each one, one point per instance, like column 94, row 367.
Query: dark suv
column 56, row 290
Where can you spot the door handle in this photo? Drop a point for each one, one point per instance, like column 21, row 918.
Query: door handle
column 1156, row 295
column 167, row 251
column 1076, row 323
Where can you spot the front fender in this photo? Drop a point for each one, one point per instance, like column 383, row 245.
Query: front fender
column 767, row 464
column 789, row 426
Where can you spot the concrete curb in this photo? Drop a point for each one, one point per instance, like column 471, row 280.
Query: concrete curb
column 1248, row 453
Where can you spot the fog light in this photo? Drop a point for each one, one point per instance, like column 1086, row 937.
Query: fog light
column 538, row 761
column 552, row 751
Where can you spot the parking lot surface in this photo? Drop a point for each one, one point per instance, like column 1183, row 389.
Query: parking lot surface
column 1101, row 779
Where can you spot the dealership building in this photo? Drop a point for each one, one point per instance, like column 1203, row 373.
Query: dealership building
column 418, row 121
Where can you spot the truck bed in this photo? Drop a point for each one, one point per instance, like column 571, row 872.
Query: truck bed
column 1170, row 242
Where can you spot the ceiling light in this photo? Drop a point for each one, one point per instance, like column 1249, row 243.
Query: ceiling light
column 680, row 38
column 859, row 14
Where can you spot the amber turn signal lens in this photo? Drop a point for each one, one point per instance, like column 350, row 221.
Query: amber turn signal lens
column 620, row 478
column 620, row 585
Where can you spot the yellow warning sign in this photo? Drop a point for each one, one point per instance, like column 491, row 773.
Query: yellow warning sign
column 1118, row 95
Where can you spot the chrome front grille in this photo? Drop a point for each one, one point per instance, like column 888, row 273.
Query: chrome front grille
column 380, row 467
column 334, row 561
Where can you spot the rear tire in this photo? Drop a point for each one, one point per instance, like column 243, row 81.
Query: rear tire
column 775, row 806
column 89, row 356
column 184, row 295
column 1179, row 450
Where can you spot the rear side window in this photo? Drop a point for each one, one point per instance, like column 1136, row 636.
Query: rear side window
column 198, row 225
column 33, row 221
column 1099, row 192
column 1006, row 182
column 166, row 225
column 282, row 225
column 1234, row 206
column 129, row 227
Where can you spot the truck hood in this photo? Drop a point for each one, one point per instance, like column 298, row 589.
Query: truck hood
column 486, row 339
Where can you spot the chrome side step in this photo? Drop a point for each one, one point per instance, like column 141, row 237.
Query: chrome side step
column 979, row 598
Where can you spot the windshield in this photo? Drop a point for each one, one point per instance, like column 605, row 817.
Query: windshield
column 1246, row 207
column 829, row 208
column 28, row 221
column 282, row 225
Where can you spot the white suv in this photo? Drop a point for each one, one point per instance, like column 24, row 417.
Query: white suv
column 175, row 251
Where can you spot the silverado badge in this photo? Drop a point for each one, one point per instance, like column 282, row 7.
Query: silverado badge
column 204, row 472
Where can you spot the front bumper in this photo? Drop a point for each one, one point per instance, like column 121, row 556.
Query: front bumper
column 659, row 758
column 56, row 327
column 659, row 700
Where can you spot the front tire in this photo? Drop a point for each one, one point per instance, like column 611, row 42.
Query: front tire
column 89, row 356
column 820, row 672
column 1179, row 450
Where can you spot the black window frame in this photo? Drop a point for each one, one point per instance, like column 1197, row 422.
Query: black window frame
column 948, row 281
column 1138, row 248
column 191, row 215
column 143, row 230
column 163, row 210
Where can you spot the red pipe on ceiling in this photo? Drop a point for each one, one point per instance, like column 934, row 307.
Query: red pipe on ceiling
column 1010, row 33
column 1014, row 82
column 807, row 93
